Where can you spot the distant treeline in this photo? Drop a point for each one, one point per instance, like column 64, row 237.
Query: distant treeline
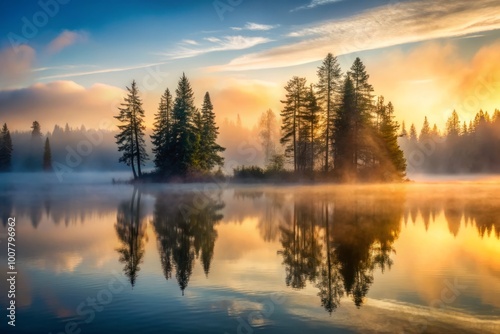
column 63, row 150
column 461, row 148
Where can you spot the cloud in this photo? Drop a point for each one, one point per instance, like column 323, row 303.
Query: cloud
column 433, row 80
column 65, row 39
column 59, row 102
column 189, row 42
column 107, row 70
column 315, row 3
column 15, row 65
column 384, row 26
column 256, row 27
column 227, row 43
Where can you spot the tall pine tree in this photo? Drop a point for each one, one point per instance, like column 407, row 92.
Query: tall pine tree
column 5, row 149
column 330, row 77
column 362, row 117
column 210, row 131
column 311, row 120
column 291, row 119
column 162, row 131
column 344, row 135
column 130, row 139
column 47, row 156
column 180, row 149
column 391, row 157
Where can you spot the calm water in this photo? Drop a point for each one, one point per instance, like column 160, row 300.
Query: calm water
column 393, row 259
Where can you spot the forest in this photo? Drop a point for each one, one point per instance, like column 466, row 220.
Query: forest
column 462, row 148
column 335, row 129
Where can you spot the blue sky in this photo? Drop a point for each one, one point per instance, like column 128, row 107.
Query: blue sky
column 241, row 50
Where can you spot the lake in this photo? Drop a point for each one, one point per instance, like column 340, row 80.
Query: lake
column 102, row 258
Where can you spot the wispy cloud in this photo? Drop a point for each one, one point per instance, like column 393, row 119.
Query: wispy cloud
column 16, row 65
column 315, row 3
column 189, row 42
column 107, row 70
column 255, row 27
column 65, row 39
column 215, row 44
column 384, row 26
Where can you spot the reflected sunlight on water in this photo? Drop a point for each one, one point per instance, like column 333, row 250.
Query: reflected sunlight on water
column 414, row 258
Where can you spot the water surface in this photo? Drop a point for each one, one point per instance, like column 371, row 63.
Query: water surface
column 416, row 258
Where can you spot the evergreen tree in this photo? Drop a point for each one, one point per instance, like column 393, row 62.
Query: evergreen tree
column 392, row 157
column 425, row 132
column 130, row 139
column 311, row 120
column 34, row 160
column 5, row 149
column 413, row 133
column 47, row 156
column 404, row 133
column 344, row 131
column 453, row 125
column 268, row 133
column 162, row 130
column 199, row 151
column 210, row 132
column 291, row 118
column 180, row 149
column 329, row 75
column 363, row 107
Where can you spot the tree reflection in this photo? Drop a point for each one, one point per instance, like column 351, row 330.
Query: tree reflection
column 131, row 230
column 358, row 235
column 185, row 230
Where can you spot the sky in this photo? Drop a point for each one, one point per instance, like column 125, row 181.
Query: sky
column 70, row 60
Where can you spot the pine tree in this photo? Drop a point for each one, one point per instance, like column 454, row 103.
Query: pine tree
column 329, row 75
column 5, row 149
column 47, row 156
column 162, row 130
column 268, row 133
column 311, row 120
column 291, row 119
column 363, row 107
column 404, row 133
column 180, row 150
column 453, row 125
column 344, row 131
column 199, row 150
column 130, row 139
column 34, row 160
column 210, row 131
column 413, row 133
column 425, row 132
column 393, row 161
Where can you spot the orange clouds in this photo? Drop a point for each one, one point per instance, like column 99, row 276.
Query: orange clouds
column 247, row 98
column 59, row 102
column 65, row 39
column 433, row 79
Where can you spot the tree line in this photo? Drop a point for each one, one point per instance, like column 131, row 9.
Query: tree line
column 184, row 137
column 37, row 158
column 337, row 125
column 472, row 147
